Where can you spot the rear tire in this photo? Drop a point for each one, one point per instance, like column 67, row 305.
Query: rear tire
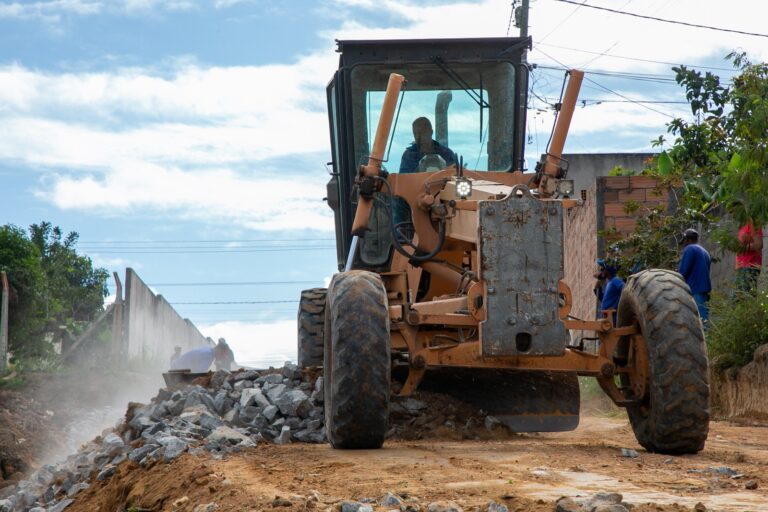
column 311, row 323
column 357, row 361
column 674, row 415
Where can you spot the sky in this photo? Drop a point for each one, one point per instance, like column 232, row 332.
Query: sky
column 188, row 139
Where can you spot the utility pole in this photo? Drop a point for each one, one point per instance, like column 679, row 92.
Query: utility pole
column 521, row 18
column 521, row 22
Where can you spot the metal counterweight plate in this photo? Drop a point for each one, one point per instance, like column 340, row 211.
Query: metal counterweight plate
column 521, row 261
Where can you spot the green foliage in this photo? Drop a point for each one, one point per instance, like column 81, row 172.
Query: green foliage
column 50, row 283
column 738, row 325
column 19, row 258
column 620, row 171
column 717, row 164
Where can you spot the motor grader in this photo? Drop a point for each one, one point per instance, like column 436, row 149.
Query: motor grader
column 452, row 273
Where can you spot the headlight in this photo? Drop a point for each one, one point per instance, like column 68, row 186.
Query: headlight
column 463, row 188
column 565, row 188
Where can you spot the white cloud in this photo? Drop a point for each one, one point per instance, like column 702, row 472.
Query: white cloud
column 49, row 11
column 212, row 196
column 169, row 5
column 578, row 27
column 223, row 4
column 173, row 137
column 113, row 264
column 258, row 345
column 171, row 142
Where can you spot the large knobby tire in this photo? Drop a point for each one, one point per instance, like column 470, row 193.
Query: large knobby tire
column 674, row 415
column 356, row 372
column 311, row 322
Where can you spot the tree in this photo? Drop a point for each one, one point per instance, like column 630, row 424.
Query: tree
column 19, row 258
column 74, row 289
column 716, row 164
column 51, row 285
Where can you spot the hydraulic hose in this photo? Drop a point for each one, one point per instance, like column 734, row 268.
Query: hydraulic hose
column 396, row 242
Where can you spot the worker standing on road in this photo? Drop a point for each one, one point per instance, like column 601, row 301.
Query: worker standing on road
column 694, row 267
column 199, row 360
column 750, row 258
column 613, row 287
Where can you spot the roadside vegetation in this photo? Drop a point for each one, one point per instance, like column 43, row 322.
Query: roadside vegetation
column 717, row 171
column 54, row 293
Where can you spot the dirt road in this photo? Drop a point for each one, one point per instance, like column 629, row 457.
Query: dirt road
column 525, row 472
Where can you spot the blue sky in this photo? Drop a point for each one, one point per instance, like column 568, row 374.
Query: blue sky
column 195, row 133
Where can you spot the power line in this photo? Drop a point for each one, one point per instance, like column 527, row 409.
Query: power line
column 511, row 15
column 233, row 283
column 611, row 91
column 637, row 59
column 216, row 251
column 641, row 77
column 655, row 102
column 563, row 21
column 109, row 242
column 239, row 302
column 194, row 247
column 653, row 18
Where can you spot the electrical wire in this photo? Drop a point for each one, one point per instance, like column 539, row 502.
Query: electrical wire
column 563, row 21
column 653, row 18
column 511, row 15
column 636, row 59
column 641, row 77
column 611, row 91
column 238, row 302
column 215, row 251
column 244, row 283
column 89, row 242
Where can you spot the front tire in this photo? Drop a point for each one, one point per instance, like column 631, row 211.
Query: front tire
column 673, row 416
column 357, row 361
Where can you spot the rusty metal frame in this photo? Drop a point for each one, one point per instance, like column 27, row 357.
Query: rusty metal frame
column 416, row 326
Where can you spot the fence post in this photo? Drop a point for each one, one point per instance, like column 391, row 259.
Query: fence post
column 4, row 323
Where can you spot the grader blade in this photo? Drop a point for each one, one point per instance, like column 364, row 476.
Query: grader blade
column 524, row 401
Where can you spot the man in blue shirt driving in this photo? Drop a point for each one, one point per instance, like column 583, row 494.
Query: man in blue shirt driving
column 422, row 146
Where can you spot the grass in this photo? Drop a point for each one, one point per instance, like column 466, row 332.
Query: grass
column 738, row 326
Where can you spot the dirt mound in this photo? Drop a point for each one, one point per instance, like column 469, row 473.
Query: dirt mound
column 52, row 414
column 431, row 415
column 411, row 475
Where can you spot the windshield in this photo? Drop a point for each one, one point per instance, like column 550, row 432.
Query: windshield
column 447, row 111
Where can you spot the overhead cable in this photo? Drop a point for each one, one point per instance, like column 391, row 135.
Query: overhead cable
column 653, row 18
column 610, row 90
column 637, row 59
column 240, row 302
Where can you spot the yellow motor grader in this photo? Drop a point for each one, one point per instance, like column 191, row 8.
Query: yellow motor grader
column 451, row 259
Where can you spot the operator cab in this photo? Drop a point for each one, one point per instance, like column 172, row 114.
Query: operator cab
column 471, row 93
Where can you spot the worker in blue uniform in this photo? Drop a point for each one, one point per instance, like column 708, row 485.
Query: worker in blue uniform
column 694, row 267
column 613, row 287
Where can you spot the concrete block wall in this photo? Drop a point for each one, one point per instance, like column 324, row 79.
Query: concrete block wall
column 153, row 327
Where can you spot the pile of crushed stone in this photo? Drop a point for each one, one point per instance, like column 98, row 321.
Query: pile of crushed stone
column 227, row 412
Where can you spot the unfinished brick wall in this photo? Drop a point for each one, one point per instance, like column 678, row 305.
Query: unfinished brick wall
column 604, row 207
column 580, row 254
column 614, row 193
